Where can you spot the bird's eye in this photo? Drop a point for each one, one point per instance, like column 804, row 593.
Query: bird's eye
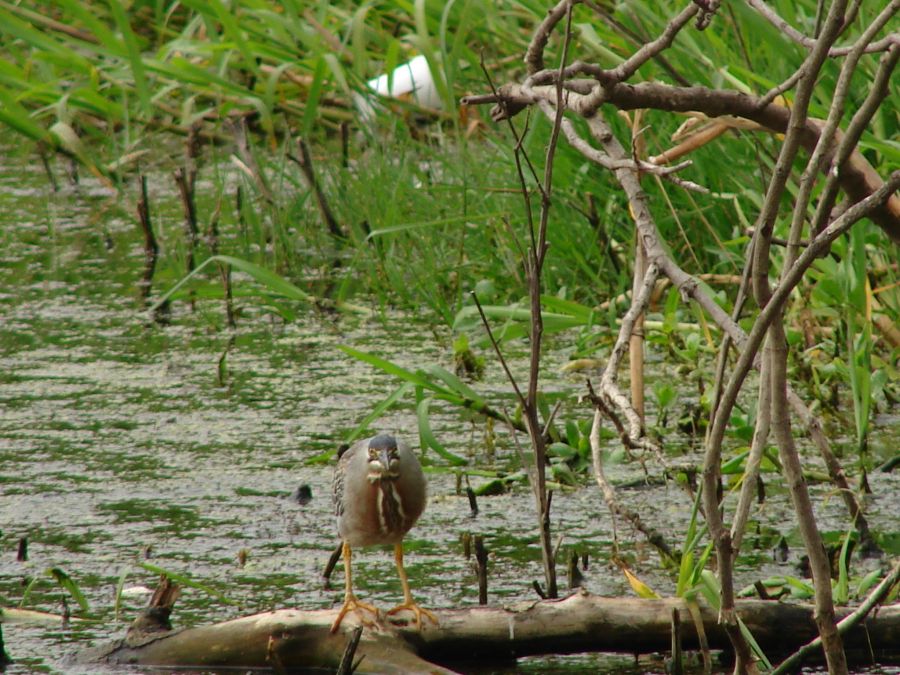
column 373, row 453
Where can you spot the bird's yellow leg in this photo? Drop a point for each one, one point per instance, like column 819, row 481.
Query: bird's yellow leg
column 351, row 603
column 408, row 602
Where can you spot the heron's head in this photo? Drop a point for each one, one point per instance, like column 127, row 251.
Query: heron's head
column 383, row 458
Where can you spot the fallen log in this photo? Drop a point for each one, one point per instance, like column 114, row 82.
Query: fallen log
column 287, row 639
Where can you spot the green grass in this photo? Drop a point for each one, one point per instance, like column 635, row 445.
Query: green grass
column 430, row 210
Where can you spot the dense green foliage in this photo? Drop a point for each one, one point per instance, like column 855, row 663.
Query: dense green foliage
column 428, row 203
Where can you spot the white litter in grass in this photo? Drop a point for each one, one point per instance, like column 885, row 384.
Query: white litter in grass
column 411, row 80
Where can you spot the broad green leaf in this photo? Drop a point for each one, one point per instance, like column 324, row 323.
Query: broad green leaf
column 66, row 582
column 456, row 385
column 388, row 367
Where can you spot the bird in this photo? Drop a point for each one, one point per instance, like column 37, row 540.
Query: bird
column 379, row 493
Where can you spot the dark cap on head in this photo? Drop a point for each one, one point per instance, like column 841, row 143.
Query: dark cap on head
column 383, row 442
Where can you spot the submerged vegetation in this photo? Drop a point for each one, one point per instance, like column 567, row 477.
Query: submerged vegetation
column 304, row 194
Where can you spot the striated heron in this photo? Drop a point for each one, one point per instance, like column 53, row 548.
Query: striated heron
column 379, row 493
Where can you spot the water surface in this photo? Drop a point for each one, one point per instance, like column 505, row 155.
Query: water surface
column 121, row 443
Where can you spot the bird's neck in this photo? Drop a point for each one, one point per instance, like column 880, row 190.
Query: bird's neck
column 391, row 515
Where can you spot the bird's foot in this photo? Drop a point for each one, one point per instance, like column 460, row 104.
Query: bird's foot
column 352, row 604
column 415, row 609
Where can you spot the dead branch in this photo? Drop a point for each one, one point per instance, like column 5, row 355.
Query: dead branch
column 856, row 176
column 653, row 536
column 304, row 161
column 579, row 623
column 789, row 31
column 608, row 387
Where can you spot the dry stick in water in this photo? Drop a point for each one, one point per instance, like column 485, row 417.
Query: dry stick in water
column 481, row 558
column 332, row 563
column 473, row 501
column 304, row 161
column 151, row 250
column 212, row 240
column 676, row 667
column 5, row 659
column 186, row 191
column 576, row 578
column 346, row 666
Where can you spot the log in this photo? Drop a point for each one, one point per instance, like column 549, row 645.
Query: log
column 282, row 639
column 285, row 639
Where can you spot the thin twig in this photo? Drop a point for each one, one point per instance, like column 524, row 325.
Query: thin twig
column 304, row 161
column 496, row 346
column 609, row 494
column 843, row 155
column 770, row 15
column 754, row 457
column 829, row 130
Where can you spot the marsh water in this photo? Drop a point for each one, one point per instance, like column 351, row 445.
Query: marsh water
column 126, row 443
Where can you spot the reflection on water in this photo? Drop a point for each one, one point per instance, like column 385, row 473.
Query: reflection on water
column 119, row 445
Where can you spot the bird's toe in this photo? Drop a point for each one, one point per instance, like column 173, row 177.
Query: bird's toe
column 360, row 609
column 418, row 611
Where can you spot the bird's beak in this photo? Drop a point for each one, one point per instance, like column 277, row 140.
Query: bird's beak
column 381, row 468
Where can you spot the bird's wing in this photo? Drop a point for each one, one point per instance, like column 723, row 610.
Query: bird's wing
column 340, row 471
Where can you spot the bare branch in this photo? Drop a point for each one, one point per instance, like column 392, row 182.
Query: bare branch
column 505, row 366
column 601, row 157
column 856, row 176
column 847, row 146
column 754, row 457
column 750, row 343
column 765, row 221
column 823, row 146
column 534, row 56
column 792, row 33
column 608, row 386
column 630, row 66
column 609, row 493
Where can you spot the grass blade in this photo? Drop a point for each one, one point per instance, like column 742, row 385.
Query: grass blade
column 427, row 437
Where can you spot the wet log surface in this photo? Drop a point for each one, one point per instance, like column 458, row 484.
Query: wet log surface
column 290, row 639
